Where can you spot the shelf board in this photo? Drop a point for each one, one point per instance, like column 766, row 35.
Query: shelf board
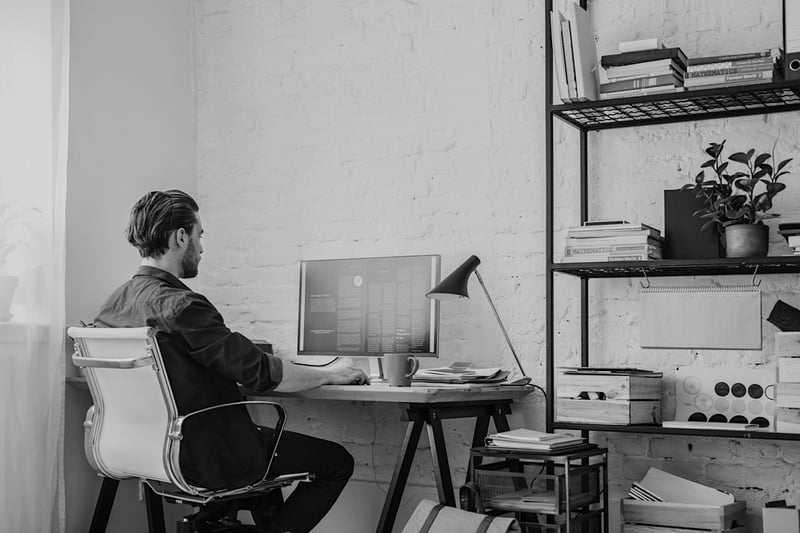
column 695, row 104
column 644, row 429
column 682, row 267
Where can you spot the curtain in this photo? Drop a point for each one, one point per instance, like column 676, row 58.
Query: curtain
column 34, row 45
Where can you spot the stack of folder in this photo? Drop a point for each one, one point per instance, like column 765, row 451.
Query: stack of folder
column 529, row 439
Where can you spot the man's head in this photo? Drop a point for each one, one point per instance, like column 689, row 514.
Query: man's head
column 165, row 227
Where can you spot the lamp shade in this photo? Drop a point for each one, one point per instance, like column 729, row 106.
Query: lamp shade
column 455, row 285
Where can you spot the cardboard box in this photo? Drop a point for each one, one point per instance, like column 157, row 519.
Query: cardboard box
column 611, row 387
column 608, row 411
column 781, row 520
column 732, row 516
column 787, row 420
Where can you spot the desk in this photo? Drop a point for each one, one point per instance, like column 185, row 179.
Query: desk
column 422, row 406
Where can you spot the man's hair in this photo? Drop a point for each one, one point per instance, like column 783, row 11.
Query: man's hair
column 155, row 216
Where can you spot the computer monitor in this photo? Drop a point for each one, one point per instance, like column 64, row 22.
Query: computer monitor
column 369, row 307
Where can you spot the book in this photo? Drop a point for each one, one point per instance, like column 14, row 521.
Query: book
column 730, row 84
column 728, row 57
column 644, row 69
column 747, row 63
column 641, row 92
column 640, row 237
column 569, row 59
column 668, row 71
column 651, row 43
column 525, row 435
column 609, row 370
column 584, row 51
column 793, row 240
column 690, row 424
column 612, row 232
column 640, row 83
column 613, row 249
column 460, row 373
column 761, row 76
column 559, row 58
column 557, row 443
column 644, row 56
column 602, row 225
column 600, row 258
column 729, row 70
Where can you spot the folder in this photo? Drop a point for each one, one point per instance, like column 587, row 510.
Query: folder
column 791, row 39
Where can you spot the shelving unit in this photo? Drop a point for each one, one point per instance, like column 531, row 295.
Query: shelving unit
column 599, row 115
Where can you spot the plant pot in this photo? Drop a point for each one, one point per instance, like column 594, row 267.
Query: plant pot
column 746, row 240
column 8, row 284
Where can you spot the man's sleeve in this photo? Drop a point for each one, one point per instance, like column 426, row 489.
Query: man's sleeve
column 211, row 344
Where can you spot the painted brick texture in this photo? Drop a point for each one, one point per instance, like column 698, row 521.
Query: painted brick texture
column 363, row 128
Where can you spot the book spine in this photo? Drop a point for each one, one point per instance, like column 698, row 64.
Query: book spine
column 639, row 240
column 640, row 92
column 725, row 78
column 762, row 62
column 601, row 258
column 640, row 83
column 610, row 249
column 630, row 58
column 730, row 57
column 726, row 71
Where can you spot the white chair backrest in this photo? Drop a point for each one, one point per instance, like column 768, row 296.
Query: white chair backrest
column 133, row 403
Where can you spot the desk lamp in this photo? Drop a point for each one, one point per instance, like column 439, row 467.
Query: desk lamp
column 454, row 287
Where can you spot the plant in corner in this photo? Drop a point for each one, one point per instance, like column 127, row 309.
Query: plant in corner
column 736, row 202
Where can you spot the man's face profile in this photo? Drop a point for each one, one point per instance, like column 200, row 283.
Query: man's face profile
column 191, row 256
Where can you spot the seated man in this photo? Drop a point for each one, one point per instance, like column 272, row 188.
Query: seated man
column 205, row 360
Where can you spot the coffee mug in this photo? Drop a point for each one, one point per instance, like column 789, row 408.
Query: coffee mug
column 398, row 368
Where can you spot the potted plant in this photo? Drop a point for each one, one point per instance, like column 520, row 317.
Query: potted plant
column 737, row 201
column 11, row 240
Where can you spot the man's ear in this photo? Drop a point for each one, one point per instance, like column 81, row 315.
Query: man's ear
column 181, row 237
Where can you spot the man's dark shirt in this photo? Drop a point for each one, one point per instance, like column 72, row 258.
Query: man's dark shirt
column 204, row 360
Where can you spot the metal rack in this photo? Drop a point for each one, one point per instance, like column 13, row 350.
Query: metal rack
column 694, row 105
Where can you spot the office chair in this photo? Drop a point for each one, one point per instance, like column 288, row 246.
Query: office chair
column 133, row 430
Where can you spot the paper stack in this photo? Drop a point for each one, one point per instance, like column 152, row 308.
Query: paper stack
column 461, row 372
column 529, row 439
column 660, row 486
column 614, row 240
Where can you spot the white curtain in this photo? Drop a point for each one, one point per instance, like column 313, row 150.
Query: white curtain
column 34, row 62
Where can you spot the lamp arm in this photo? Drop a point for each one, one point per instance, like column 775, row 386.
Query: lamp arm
column 500, row 322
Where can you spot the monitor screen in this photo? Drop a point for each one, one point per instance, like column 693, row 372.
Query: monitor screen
column 368, row 306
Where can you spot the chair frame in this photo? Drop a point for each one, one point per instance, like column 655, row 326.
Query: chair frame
column 174, row 486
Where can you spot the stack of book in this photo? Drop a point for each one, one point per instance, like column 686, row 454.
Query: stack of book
column 791, row 232
column 731, row 70
column 641, row 71
column 616, row 240
column 529, row 439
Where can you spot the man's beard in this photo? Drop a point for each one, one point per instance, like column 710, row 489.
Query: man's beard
column 190, row 261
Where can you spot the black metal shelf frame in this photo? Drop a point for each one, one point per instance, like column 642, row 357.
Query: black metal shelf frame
column 694, row 105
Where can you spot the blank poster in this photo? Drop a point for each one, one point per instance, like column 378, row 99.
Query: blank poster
column 726, row 318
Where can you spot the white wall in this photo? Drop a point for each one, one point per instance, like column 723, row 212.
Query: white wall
column 131, row 131
column 365, row 128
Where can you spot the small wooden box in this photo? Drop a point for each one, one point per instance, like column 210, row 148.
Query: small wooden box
column 608, row 411
column 787, row 344
column 673, row 516
column 787, row 420
column 612, row 387
column 789, row 369
column 781, row 520
column 787, row 395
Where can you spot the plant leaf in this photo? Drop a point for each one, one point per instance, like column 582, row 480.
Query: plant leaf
column 760, row 159
column 708, row 164
column 739, row 157
column 783, row 164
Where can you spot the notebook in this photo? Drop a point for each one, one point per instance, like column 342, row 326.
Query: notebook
column 712, row 317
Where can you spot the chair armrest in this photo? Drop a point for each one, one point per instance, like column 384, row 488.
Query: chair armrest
column 97, row 362
column 176, row 432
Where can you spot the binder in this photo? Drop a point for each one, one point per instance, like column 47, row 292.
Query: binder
column 700, row 317
column 791, row 39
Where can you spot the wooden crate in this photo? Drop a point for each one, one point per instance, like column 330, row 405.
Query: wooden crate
column 787, row 344
column 789, row 369
column 608, row 411
column 787, row 395
column 643, row 528
column 674, row 516
column 612, row 387
column 787, row 420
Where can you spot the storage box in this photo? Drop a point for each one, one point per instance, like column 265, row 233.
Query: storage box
column 781, row 520
column 610, row 387
column 642, row 528
column 787, row 395
column 787, row 344
column 673, row 516
column 608, row 411
column 789, row 369
column 787, row 420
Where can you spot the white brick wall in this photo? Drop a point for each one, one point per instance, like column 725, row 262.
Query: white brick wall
column 361, row 128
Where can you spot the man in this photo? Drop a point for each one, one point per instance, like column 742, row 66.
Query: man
column 205, row 360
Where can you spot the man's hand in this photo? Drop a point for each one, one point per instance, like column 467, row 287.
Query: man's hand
column 348, row 376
